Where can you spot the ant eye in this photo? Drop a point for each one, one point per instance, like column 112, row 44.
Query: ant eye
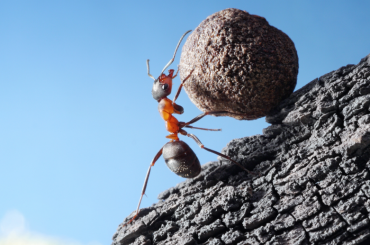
column 165, row 86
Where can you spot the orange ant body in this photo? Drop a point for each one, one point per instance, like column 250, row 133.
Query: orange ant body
column 178, row 156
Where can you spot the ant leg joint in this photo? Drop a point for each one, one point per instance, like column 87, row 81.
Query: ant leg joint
column 181, row 124
column 183, row 132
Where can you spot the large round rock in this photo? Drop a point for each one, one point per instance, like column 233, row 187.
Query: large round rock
column 242, row 65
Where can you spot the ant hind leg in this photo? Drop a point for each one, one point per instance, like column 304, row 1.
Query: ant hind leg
column 145, row 184
column 195, row 138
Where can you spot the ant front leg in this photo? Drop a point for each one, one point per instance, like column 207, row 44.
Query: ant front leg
column 176, row 72
column 145, row 184
column 178, row 108
column 180, row 87
column 195, row 138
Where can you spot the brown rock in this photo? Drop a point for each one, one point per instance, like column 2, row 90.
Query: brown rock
column 242, row 65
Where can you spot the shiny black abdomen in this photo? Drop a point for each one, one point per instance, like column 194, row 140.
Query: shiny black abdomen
column 181, row 159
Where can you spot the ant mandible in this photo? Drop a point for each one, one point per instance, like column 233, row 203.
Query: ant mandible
column 178, row 156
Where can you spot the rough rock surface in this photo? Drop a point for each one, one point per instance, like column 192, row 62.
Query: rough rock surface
column 314, row 183
column 242, row 65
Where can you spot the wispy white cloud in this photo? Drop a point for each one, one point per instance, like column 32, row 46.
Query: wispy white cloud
column 13, row 231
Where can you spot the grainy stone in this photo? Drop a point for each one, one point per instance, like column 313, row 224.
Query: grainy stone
column 162, row 233
column 249, row 241
column 210, row 230
column 259, row 218
column 214, row 241
column 264, row 233
column 308, row 208
column 287, row 202
column 295, row 236
column 242, row 65
column 234, row 218
column 323, row 225
column 142, row 240
column 232, row 237
column 283, row 221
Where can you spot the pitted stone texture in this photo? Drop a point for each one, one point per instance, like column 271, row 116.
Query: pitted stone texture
column 313, row 182
column 242, row 65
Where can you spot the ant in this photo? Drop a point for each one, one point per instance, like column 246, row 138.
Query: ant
column 178, row 156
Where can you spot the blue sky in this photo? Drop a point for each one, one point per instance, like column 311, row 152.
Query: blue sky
column 78, row 124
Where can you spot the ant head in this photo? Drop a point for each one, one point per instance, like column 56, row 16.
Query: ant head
column 162, row 86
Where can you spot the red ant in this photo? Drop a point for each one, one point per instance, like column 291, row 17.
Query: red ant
column 178, row 156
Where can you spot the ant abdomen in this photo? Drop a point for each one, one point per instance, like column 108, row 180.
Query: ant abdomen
column 181, row 159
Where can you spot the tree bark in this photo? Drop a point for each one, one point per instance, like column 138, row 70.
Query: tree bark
column 313, row 187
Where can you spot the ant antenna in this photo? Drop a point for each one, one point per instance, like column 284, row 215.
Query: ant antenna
column 173, row 58
column 147, row 65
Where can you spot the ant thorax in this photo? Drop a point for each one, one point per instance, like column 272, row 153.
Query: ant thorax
column 166, row 109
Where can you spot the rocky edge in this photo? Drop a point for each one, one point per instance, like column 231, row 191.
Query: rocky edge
column 314, row 183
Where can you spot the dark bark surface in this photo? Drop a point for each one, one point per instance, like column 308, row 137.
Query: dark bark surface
column 314, row 183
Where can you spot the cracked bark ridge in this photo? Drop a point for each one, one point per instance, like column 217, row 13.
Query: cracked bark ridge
column 242, row 65
column 314, row 183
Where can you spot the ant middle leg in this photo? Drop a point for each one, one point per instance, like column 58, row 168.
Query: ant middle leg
column 208, row 129
column 197, row 118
